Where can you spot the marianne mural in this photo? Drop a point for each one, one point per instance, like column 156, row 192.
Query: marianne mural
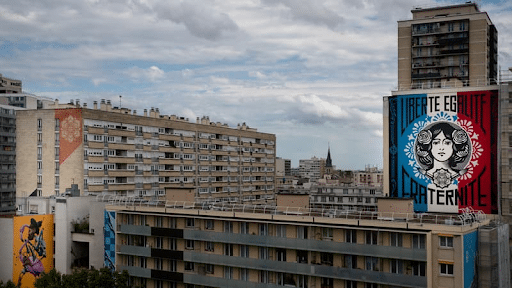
column 32, row 256
column 442, row 150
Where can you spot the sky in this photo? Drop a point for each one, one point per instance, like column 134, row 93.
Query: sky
column 312, row 72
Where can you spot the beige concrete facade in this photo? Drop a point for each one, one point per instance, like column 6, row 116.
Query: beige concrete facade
column 8, row 85
column 123, row 153
column 246, row 249
column 451, row 46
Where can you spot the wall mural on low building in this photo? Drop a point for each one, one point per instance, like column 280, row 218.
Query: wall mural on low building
column 32, row 248
column 443, row 150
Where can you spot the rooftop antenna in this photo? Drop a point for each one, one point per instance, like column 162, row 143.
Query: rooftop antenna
column 120, row 101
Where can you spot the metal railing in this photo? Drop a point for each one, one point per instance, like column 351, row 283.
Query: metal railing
column 467, row 216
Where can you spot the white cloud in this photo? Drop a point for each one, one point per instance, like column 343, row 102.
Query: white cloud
column 152, row 74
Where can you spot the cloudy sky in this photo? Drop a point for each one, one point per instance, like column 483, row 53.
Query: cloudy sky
column 313, row 72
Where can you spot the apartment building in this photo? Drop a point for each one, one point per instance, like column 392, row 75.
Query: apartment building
column 8, row 85
column 345, row 197
column 115, row 151
column 506, row 144
column 7, row 159
column 311, row 168
column 370, row 176
column 261, row 246
column 447, row 46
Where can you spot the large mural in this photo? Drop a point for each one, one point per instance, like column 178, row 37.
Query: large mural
column 443, row 150
column 32, row 248
column 70, row 131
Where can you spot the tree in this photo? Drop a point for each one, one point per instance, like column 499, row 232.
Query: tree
column 82, row 278
column 9, row 284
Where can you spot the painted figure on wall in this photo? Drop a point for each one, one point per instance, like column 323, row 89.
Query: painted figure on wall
column 32, row 250
column 442, row 151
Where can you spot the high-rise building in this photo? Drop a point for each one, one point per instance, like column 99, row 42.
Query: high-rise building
column 7, row 159
column 448, row 46
column 114, row 151
column 506, row 144
column 310, row 168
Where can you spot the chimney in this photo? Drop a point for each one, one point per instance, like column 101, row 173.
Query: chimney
column 152, row 113
column 157, row 113
column 77, row 102
column 85, row 105
column 145, row 112
column 103, row 106
column 95, row 105
column 198, row 121
column 134, row 112
column 56, row 100
column 109, row 106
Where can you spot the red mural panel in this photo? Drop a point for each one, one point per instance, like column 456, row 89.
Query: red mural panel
column 70, row 131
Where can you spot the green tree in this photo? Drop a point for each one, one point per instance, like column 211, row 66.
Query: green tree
column 82, row 278
column 9, row 284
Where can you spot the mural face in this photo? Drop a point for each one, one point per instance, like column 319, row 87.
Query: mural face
column 33, row 248
column 443, row 150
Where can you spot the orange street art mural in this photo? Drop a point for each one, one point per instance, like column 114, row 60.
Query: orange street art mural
column 70, row 136
column 32, row 248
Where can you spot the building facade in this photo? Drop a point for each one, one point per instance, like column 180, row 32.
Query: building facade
column 449, row 46
column 311, row 168
column 264, row 247
column 345, row 197
column 7, row 159
column 114, row 151
column 370, row 176
column 8, row 85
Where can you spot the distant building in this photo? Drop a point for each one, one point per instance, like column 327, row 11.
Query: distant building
column 283, row 177
column 370, row 176
column 310, row 168
column 8, row 85
column 345, row 197
column 447, row 46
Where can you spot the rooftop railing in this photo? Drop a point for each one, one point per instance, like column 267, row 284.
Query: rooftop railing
column 467, row 216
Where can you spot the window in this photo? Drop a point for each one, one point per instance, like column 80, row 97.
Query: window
column 209, row 225
column 159, row 221
column 396, row 266
column 142, row 262
column 172, row 244
column 172, row 265
column 244, row 274
column 371, row 285
column 244, row 228
column 159, row 242
column 228, row 227
column 263, row 229
column 39, row 124
column 302, row 281
column 228, row 272
column 327, row 282
column 371, row 263
column 264, row 277
column 351, row 261
column 189, row 244
column 189, row 266
column 350, row 284
column 281, row 231
column 263, row 252
column 327, row 233
column 281, row 254
column 418, row 241
column 446, row 241
column 418, row 268
column 351, row 236
column 209, row 268
column 158, row 263
column 244, row 251
column 190, row 222
column 446, row 269
column 228, row 249
column 371, row 237
column 208, row 246
column 395, row 239
column 302, row 232
column 326, row 258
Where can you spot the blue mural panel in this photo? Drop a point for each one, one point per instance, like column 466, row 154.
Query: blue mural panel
column 470, row 252
column 109, row 235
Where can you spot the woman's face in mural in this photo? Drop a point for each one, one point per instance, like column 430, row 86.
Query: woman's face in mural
column 442, row 148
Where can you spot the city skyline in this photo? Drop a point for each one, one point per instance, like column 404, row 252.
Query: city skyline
column 318, row 78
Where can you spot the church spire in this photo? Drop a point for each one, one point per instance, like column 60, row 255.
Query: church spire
column 328, row 161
